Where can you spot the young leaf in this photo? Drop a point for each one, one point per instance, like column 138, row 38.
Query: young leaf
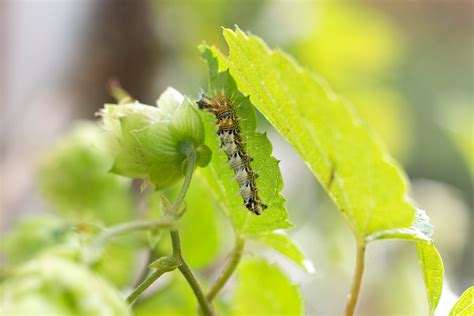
column 287, row 247
column 465, row 304
column 432, row 270
column 274, row 295
column 219, row 175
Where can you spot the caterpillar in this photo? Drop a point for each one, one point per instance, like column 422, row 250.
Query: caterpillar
column 231, row 143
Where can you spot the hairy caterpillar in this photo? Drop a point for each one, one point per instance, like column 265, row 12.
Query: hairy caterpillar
column 233, row 146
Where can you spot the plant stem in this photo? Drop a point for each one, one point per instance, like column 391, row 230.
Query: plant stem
column 144, row 271
column 232, row 263
column 357, row 280
column 191, row 163
column 144, row 285
column 176, row 243
column 188, row 274
column 127, row 227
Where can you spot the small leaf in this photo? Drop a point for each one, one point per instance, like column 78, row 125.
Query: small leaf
column 263, row 289
column 465, row 304
column 432, row 270
column 283, row 244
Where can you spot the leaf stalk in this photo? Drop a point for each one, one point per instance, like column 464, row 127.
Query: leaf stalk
column 229, row 269
column 357, row 279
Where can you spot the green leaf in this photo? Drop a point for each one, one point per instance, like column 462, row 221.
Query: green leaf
column 432, row 270
column 219, row 176
column 465, row 304
column 263, row 289
column 287, row 247
column 421, row 229
column 54, row 286
column 347, row 159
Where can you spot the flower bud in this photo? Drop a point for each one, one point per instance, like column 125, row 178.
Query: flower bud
column 164, row 264
column 151, row 142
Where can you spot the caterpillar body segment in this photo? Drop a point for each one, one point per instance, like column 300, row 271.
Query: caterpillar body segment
column 233, row 146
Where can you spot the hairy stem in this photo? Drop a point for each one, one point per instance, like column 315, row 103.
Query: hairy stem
column 357, row 280
column 144, row 285
column 229, row 269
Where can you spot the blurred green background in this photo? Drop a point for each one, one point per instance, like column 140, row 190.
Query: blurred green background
column 407, row 66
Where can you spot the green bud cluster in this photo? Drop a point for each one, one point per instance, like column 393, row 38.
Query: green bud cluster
column 153, row 143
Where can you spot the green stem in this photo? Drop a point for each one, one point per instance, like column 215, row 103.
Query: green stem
column 191, row 163
column 144, row 285
column 357, row 280
column 234, row 260
column 188, row 274
column 176, row 243
column 127, row 227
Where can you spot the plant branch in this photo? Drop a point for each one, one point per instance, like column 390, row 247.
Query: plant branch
column 128, row 227
column 229, row 269
column 173, row 210
column 144, row 285
column 357, row 280
column 188, row 274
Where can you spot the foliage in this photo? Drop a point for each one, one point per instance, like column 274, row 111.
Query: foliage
column 162, row 146
column 347, row 159
column 356, row 49
column 274, row 295
column 224, row 187
column 50, row 285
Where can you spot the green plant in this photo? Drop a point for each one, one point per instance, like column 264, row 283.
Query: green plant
column 164, row 145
